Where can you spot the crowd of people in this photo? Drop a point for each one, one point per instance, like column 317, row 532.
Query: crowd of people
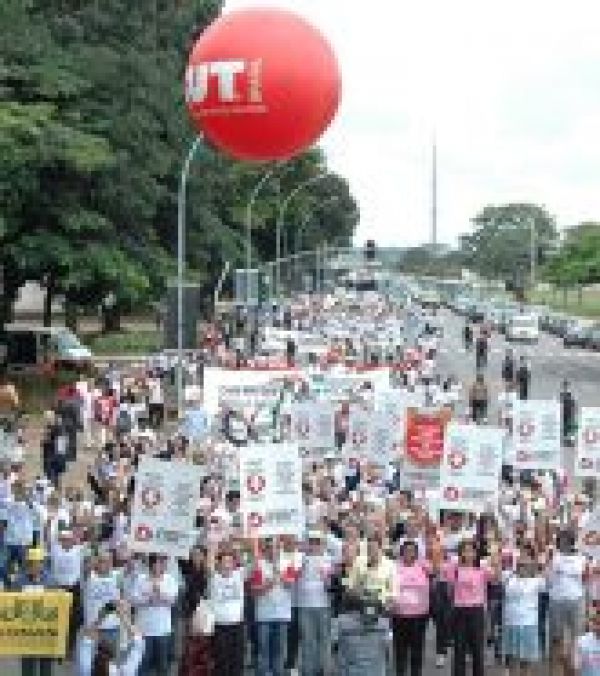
column 376, row 579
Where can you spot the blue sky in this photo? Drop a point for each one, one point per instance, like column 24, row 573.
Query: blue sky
column 512, row 90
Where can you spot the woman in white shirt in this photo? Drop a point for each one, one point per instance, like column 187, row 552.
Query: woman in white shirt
column 226, row 592
column 567, row 571
column 521, row 615
column 99, row 657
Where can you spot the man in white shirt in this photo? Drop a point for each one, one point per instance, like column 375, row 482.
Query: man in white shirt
column 314, row 607
column 66, row 570
column 153, row 596
column 271, row 586
column 156, row 402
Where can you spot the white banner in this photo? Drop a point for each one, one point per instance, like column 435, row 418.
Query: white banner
column 164, row 507
column 271, row 490
column 313, row 429
column 358, row 441
column 254, row 383
column 470, row 471
column 589, row 536
column 385, row 439
column 537, row 435
column 588, row 443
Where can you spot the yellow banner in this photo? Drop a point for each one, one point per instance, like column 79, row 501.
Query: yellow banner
column 34, row 623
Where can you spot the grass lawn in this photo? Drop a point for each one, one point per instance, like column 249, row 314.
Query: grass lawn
column 569, row 301
column 128, row 341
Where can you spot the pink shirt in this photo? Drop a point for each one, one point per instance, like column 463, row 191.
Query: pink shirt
column 470, row 586
column 411, row 589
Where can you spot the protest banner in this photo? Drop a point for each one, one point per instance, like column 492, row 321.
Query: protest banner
column 313, row 429
column 34, row 623
column 241, row 385
column 271, row 490
column 589, row 536
column 424, row 448
column 471, row 465
column 385, row 438
column 588, row 443
column 358, row 440
column 537, row 435
column 164, row 507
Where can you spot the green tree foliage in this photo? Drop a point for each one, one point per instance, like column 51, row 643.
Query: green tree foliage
column 577, row 262
column 499, row 246
column 93, row 132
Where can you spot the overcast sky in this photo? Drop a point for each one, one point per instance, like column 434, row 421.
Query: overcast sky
column 512, row 90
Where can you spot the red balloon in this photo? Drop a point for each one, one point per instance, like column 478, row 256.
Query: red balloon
column 262, row 84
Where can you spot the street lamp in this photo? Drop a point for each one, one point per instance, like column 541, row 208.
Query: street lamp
column 280, row 221
column 180, row 266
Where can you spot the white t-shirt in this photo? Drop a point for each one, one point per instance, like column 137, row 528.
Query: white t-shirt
column 312, row 585
column 227, row 596
column 21, row 521
column 276, row 604
column 565, row 580
column 100, row 590
column 152, row 611
column 155, row 392
column 587, row 655
column 66, row 565
column 521, row 600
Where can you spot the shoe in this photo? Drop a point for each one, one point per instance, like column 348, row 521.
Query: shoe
column 440, row 661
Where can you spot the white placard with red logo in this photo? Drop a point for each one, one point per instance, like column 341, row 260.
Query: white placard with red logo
column 164, row 507
column 588, row 443
column 470, row 471
column 313, row 429
column 358, row 441
column 271, row 490
column 537, row 435
column 589, row 536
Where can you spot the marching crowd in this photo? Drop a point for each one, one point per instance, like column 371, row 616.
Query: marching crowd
column 377, row 577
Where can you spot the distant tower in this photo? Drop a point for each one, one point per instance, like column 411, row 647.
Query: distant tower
column 434, row 195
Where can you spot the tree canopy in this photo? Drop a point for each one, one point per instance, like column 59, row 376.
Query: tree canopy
column 93, row 132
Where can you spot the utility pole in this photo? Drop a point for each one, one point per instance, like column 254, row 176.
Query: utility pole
column 532, row 253
column 434, row 196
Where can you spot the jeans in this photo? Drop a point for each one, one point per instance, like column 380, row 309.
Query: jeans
column 156, row 655
column 272, row 642
column 442, row 616
column 315, row 643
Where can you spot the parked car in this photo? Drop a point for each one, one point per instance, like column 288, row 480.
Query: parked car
column 523, row 327
column 578, row 334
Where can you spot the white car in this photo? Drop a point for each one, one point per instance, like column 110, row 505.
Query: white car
column 523, row 327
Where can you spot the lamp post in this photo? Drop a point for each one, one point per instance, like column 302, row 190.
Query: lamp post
column 280, row 222
column 181, row 203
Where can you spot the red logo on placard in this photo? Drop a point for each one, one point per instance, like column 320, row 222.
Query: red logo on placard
column 451, row 494
column 457, row 459
column 151, row 498
column 425, row 439
column 143, row 533
column 591, row 436
column 359, row 438
column 526, row 429
column 255, row 484
column 255, row 520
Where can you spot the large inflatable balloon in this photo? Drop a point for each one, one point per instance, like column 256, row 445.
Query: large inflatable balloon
column 262, row 84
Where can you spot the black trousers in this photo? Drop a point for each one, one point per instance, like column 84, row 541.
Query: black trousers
column 293, row 641
column 469, row 636
column 442, row 616
column 409, row 643
column 156, row 414
column 228, row 644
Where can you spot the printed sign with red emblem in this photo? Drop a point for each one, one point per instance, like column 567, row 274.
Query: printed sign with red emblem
column 471, row 467
column 423, row 449
column 164, row 507
column 588, row 443
column 537, row 434
column 271, row 490
column 313, row 429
